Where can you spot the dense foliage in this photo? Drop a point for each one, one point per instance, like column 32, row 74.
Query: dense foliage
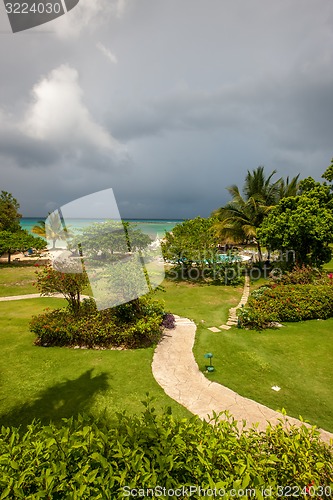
column 12, row 237
column 191, row 242
column 102, row 240
column 192, row 248
column 85, row 459
column 302, row 223
column 116, row 327
column 239, row 220
column 287, row 303
column 9, row 213
column 19, row 241
column 300, row 275
column 50, row 281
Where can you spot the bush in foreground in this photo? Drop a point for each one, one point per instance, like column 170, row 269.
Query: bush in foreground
column 84, row 459
column 116, row 327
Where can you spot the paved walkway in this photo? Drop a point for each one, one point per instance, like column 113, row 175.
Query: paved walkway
column 36, row 296
column 232, row 319
column 21, row 297
column 177, row 372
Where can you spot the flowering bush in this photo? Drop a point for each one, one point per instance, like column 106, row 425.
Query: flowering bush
column 71, row 285
column 93, row 328
column 168, row 321
column 287, row 303
column 300, row 275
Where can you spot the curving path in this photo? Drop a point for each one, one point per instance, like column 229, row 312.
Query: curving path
column 177, row 372
column 36, row 296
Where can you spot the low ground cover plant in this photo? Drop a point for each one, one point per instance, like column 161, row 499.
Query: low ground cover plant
column 109, row 460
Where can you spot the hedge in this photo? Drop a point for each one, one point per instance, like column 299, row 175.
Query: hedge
column 107, row 328
column 87, row 459
column 287, row 303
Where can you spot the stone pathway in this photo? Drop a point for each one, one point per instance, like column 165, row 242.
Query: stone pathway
column 232, row 319
column 21, row 297
column 175, row 369
column 36, row 296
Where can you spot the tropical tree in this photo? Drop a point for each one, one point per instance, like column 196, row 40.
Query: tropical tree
column 262, row 188
column 71, row 285
column 191, row 242
column 18, row 241
column 52, row 230
column 239, row 220
column 9, row 215
column 104, row 239
column 288, row 187
column 328, row 174
column 302, row 224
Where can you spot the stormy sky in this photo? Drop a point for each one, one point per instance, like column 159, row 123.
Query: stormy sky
column 166, row 102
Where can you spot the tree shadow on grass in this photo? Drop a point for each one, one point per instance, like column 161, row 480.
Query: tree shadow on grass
column 63, row 400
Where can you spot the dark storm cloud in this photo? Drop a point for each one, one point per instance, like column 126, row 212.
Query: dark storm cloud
column 166, row 102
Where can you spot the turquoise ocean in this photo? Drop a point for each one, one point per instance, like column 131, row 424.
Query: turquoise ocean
column 155, row 228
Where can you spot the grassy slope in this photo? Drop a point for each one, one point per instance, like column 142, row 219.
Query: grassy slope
column 298, row 358
column 51, row 383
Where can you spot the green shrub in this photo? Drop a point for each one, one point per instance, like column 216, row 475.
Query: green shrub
column 106, row 328
column 300, row 275
column 86, row 459
column 287, row 303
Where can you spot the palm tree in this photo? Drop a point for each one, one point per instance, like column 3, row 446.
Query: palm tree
column 288, row 188
column 53, row 229
column 256, row 184
column 238, row 221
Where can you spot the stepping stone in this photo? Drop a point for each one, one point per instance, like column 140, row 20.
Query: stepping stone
column 231, row 323
column 225, row 327
column 214, row 329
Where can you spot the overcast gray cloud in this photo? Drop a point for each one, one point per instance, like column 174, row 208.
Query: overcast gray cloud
column 166, row 102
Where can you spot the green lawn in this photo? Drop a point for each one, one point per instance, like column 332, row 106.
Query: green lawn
column 52, row 383
column 16, row 280
column 298, row 357
column 205, row 304
column 59, row 382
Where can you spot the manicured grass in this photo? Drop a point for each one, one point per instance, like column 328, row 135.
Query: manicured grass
column 204, row 304
column 16, row 280
column 298, row 357
column 329, row 266
column 52, row 383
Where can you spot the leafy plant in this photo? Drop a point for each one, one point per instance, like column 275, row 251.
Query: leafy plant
column 106, row 328
column 88, row 459
column 50, row 281
column 300, row 275
column 287, row 303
